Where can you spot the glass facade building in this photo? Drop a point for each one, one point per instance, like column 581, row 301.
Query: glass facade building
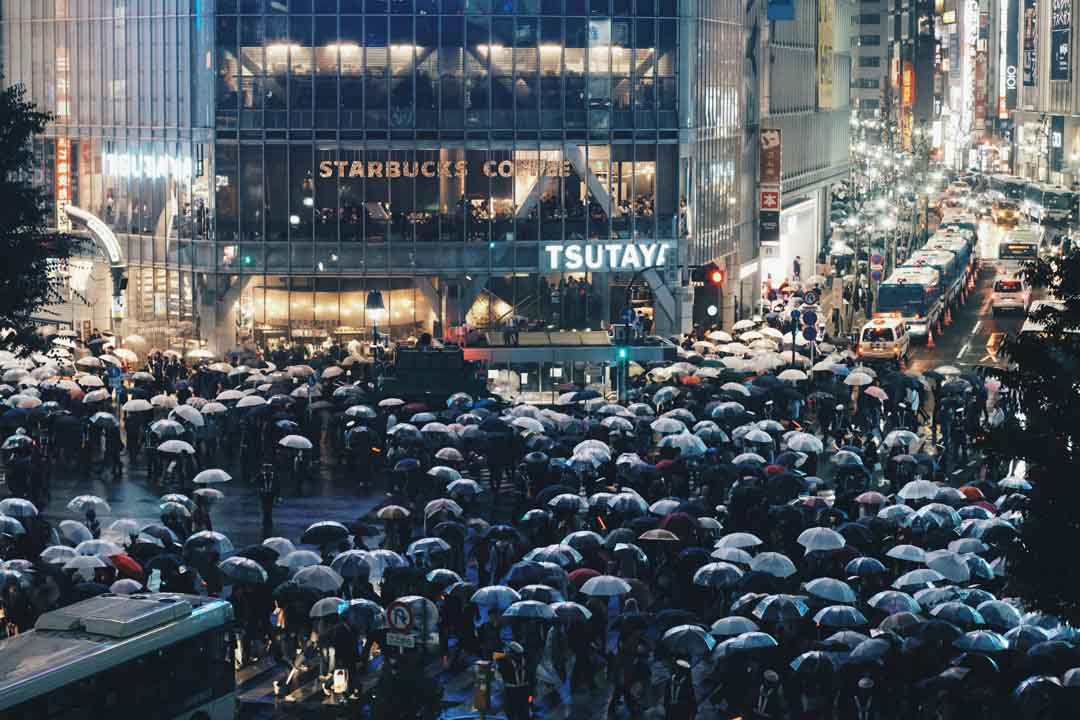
column 262, row 164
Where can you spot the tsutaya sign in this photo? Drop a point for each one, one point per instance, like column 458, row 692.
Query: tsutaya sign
column 443, row 169
column 606, row 257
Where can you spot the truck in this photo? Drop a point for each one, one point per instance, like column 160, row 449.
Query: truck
column 431, row 375
column 951, row 273
column 913, row 294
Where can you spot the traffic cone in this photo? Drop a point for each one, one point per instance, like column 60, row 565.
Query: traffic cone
column 948, row 317
column 930, row 338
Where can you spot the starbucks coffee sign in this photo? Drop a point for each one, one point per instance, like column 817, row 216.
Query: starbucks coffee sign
column 606, row 257
column 443, row 169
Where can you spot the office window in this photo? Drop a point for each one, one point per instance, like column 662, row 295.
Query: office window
column 869, row 40
column 870, row 62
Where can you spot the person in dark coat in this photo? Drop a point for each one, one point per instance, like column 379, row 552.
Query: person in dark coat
column 680, row 703
column 269, row 489
column 517, row 686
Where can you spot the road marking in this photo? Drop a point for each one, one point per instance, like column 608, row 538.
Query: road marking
column 975, row 330
column 963, row 350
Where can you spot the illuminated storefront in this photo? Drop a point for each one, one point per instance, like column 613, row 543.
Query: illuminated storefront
column 265, row 165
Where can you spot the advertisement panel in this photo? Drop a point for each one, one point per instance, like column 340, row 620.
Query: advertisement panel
column 62, row 189
column 1060, row 39
column 1010, row 22
column 907, row 89
column 1056, row 140
column 781, row 10
column 825, row 54
column 1031, row 38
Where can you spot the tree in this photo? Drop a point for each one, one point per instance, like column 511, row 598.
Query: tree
column 29, row 250
column 1045, row 374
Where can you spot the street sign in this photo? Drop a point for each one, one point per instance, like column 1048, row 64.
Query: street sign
column 399, row 616
column 769, row 199
column 875, row 275
column 809, row 333
column 400, row 640
column 809, row 318
column 795, row 314
column 877, row 262
column 810, row 298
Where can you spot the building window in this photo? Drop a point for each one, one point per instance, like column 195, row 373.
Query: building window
column 869, row 104
column 869, row 40
column 870, row 62
column 868, row 83
column 866, row 19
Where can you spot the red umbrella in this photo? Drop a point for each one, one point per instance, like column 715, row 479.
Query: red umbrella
column 679, row 523
column 579, row 576
column 988, row 505
column 414, row 409
column 972, row 493
column 665, row 465
column 126, row 567
column 774, row 469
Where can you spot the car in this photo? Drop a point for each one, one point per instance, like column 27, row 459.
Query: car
column 1006, row 212
column 1010, row 293
column 885, row 339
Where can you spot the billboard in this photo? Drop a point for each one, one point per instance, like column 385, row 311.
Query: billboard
column 1031, row 39
column 781, row 10
column 1060, row 39
column 1056, row 141
column 825, row 54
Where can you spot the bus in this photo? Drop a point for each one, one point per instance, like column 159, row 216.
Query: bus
column 1016, row 248
column 1008, row 187
column 953, row 276
column 912, row 294
column 157, row 655
column 1047, row 204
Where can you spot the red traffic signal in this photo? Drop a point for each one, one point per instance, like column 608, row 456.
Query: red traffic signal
column 710, row 274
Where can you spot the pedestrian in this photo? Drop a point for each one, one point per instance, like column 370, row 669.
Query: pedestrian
column 269, row 490
column 796, row 269
column 680, row 702
column 516, row 685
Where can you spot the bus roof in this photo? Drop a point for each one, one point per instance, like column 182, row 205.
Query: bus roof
column 913, row 275
column 930, row 257
column 81, row 640
column 1021, row 236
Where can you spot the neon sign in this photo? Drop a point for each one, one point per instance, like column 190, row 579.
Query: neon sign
column 153, row 167
column 605, row 257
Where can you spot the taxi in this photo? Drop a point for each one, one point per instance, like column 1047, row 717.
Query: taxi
column 886, row 340
column 1006, row 212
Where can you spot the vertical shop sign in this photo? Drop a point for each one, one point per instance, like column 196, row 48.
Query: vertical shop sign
column 1060, row 39
column 1031, row 39
column 769, row 173
column 825, row 54
column 62, row 184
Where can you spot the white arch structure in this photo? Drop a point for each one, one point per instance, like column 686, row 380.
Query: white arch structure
column 101, row 232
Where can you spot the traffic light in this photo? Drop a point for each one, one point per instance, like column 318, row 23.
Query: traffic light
column 708, row 274
column 622, row 353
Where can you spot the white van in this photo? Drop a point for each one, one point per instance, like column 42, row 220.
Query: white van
column 1010, row 293
column 885, row 339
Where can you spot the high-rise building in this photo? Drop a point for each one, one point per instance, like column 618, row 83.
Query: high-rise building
column 256, row 168
column 805, row 96
column 869, row 57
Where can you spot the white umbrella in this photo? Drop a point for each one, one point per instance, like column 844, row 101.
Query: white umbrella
column 605, row 586
column 249, row 401
column 792, row 375
column 858, row 379
column 820, row 538
column 163, row 401
column 295, row 442
column 176, row 447
column 212, row 476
